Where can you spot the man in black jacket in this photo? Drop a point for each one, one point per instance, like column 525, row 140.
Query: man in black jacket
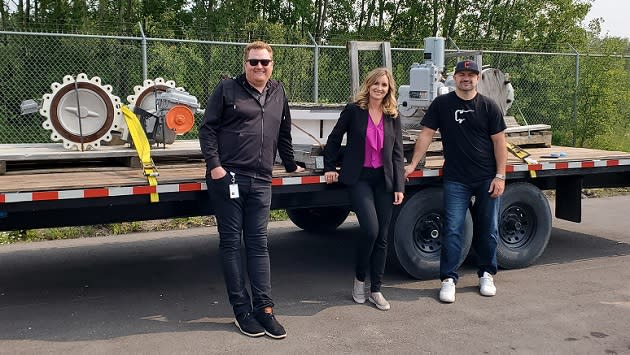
column 246, row 121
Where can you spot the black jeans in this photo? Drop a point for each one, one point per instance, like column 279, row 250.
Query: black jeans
column 373, row 206
column 248, row 216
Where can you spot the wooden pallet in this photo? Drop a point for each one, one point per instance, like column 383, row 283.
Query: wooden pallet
column 536, row 135
column 16, row 157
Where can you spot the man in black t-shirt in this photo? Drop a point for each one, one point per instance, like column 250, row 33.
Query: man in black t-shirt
column 472, row 130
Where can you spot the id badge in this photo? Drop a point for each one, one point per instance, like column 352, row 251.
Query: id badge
column 233, row 190
column 233, row 187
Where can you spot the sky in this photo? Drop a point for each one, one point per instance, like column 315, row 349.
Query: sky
column 615, row 14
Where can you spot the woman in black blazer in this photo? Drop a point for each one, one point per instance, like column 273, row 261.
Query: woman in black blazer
column 373, row 169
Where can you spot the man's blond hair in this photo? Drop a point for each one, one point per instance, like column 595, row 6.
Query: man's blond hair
column 257, row 45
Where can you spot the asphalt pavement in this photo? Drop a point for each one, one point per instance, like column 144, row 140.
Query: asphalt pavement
column 163, row 293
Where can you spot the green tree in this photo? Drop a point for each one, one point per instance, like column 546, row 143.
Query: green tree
column 602, row 118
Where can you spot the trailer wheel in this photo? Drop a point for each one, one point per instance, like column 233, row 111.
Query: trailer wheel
column 418, row 233
column 320, row 219
column 524, row 225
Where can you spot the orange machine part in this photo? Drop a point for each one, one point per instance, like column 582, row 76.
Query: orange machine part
column 180, row 119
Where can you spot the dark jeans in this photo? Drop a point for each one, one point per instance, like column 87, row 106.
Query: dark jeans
column 248, row 216
column 485, row 216
column 373, row 206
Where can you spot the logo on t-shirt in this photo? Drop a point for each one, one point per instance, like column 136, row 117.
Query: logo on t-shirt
column 458, row 118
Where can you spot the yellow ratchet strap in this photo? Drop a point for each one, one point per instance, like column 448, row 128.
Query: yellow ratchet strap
column 523, row 155
column 141, row 143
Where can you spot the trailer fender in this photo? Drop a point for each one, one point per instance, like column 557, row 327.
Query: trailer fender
column 524, row 225
column 318, row 219
column 418, row 233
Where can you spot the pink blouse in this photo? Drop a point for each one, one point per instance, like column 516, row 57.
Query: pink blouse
column 373, row 144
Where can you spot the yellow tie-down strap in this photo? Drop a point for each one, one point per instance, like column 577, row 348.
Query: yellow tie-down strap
column 523, row 155
column 141, row 143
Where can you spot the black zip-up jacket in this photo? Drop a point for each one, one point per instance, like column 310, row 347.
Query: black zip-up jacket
column 241, row 135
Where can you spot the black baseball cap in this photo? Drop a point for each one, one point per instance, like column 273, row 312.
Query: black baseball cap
column 467, row 65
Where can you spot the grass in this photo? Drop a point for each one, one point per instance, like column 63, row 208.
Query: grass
column 34, row 235
column 596, row 193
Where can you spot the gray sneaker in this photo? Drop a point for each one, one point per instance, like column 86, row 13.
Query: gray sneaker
column 379, row 301
column 447, row 292
column 486, row 285
column 358, row 291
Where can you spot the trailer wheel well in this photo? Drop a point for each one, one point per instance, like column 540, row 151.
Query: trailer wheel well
column 318, row 219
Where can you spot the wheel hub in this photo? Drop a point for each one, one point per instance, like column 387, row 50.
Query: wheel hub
column 516, row 226
column 427, row 233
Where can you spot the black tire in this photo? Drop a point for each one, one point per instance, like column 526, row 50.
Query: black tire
column 524, row 225
column 418, row 231
column 319, row 219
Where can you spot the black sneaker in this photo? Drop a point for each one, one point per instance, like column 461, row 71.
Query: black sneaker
column 271, row 325
column 248, row 325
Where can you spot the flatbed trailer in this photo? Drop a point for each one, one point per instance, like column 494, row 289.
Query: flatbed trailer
column 41, row 195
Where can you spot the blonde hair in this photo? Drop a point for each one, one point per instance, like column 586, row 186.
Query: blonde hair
column 257, row 45
column 389, row 104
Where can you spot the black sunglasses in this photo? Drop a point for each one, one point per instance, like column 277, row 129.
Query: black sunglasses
column 254, row 62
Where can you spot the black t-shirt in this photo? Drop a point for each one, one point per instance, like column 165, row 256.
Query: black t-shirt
column 466, row 127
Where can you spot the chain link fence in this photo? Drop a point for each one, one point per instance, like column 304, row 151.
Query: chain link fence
column 546, row 84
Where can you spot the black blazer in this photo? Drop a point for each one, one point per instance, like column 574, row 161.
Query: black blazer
column 354, row 121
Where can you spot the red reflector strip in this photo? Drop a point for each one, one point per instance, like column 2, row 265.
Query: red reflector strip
column 426, row 173
column 588, row 164
column 2, row 199
column 612, row 163
column 562, row 166
column 190, row 187
column 91, row 193
column 143, row 190
column 311, row 179
column 45, row 196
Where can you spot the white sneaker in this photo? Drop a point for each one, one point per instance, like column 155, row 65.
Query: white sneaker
column 486, row 285
column 358, row 291
column 379, row 301
column 447, row 292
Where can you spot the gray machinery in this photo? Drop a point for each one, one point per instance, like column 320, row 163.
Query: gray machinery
column 83, row 114
column 165, row 110
column 427, row 80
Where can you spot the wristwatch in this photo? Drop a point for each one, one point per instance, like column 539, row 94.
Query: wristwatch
column 500, row 176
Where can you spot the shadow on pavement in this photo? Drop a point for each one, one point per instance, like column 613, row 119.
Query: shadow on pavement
column 116, row 287
column 567, row 246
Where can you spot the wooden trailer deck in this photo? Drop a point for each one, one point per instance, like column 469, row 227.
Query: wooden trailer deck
column 178, row 163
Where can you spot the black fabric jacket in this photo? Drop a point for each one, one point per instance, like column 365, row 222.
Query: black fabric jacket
column 354, row 121
column 241, row 135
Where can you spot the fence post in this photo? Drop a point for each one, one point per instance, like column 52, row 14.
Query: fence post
column 575, row 93
column 143, row 46
column 315, row 70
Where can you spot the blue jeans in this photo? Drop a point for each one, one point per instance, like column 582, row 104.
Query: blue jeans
column 485, row 214
column 248, row 216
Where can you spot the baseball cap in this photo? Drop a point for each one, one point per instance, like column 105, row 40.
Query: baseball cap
column 467, row 65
